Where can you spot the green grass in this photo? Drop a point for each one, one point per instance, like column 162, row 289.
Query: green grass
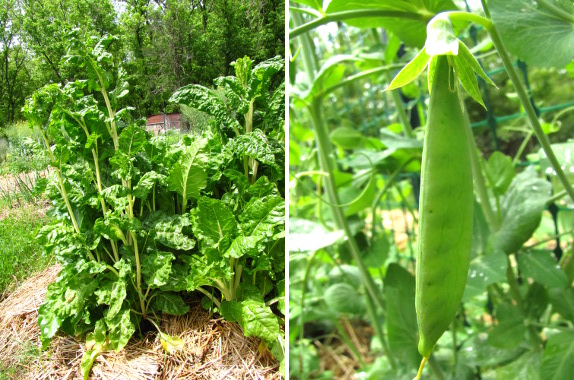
column 16, row 368
column 20, row 255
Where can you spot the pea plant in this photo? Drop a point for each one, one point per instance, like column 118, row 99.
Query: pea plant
column 490, row 295
column 140, row 223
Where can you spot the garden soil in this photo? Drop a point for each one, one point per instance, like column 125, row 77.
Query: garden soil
column 214, row 348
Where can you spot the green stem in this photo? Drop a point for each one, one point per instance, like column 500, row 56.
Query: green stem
column 113, row 270
column 210, row 296
column 388, row 184
column 379, row 331
column 396, row 96
column 556, row 197
column 436, row 368
column 359, row 76
column 522, row 147
column 223, row 289
column 325, row 158
column 345, row 337
column 346, row 15
column 478, row 178
column 523, row 96
column 138, row 274
column 407, row 128
column 515, row 290
column 454, row 344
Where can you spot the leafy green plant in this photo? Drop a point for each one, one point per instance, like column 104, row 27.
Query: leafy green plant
column 141, row 222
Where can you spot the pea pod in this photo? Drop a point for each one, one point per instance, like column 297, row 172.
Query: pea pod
column 445, row 212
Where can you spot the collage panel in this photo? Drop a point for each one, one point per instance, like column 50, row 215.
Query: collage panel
column 142, row 189
column 430, row 189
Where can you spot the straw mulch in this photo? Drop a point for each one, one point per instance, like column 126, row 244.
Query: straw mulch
column 214, row 348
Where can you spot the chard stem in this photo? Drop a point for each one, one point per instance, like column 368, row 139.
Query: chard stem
column 210, row 296
column 138, row 273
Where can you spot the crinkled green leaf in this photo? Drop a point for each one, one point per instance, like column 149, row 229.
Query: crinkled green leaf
column 261, row 215
column 281, row 295
column 261, row 76
column 121, row 329
column 205, row 100
column 147, row 182
column 110, row 228
column 253, row 316
column 213, row 220
column 263, row 187
column 48, row 322
column 170, row 303
column 116, row 196
column 117, row 296
column 242, row 245
column 169, row 232
column 256, row 145
column 187, row 177
column 238, row 178
column 156, row 267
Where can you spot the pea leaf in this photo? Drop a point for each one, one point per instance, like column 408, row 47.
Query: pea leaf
column 510, row 330
column 401, row 315
column 500, row 172
column 527, row 366
column 558, row 358
column 563, row 302
column 483, row 271
column 411, row 32
column 543, row 268
column 522, row 208
column 344, row 299
column 541, row 33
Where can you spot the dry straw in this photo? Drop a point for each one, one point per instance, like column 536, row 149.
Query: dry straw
column 214, row 348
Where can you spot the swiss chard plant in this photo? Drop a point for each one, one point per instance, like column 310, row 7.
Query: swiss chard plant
column 141, row 223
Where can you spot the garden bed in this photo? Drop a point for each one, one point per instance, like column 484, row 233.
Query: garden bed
column 214, row 348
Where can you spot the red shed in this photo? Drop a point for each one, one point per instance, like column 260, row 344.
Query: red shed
column 162, row 122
